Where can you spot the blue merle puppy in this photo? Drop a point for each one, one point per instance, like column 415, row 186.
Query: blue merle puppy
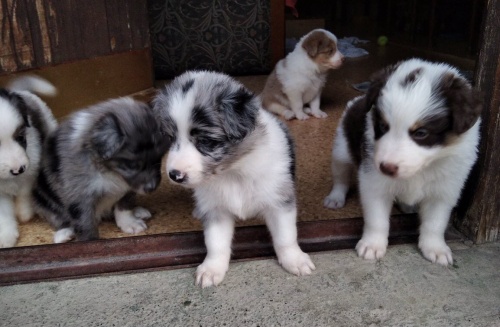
column 95, row 163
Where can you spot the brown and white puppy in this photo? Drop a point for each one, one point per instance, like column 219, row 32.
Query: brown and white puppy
column 298, row 79
column 413, row 140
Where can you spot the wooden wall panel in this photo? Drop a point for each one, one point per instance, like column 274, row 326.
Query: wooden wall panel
column 38, row 33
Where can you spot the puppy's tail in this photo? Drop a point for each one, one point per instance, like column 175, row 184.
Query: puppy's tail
column 34, row 84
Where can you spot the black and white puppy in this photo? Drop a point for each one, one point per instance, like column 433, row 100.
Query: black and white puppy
column 239, row 160
column 94, row 164
column 26, row 121
column 413, row 139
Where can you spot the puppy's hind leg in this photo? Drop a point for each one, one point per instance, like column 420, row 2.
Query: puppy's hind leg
column 281, row 222
column 8, row 224
column 342, row 169
column 342, row 172
column 280, row 110
column 218, row 230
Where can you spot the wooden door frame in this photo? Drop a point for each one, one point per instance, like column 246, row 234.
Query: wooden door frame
column 478, row 215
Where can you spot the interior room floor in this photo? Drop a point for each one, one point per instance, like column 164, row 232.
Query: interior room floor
column 172, row 205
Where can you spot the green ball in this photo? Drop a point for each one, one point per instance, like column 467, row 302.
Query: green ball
column 382, row 40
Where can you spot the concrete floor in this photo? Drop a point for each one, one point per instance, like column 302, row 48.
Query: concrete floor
column 403, row 289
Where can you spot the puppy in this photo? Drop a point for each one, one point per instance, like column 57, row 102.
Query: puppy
column 239, row 160
column 94, row 164
column 413, row 139
column 26, row 121
column 298, row 79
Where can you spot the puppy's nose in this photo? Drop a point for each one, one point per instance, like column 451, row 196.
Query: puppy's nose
column 176, row 176
column 18, row 171
column 389, row 169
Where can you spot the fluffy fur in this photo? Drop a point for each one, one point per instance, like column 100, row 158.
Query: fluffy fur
column 25, row 123
column 238, row 159
column 420, row 124
column 298, row 79
column 95, row 162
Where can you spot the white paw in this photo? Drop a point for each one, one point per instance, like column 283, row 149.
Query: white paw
column 302, row 116
column 24, row 210
column 64, row 235
column 141, row 213
column 8, row 236
column 335, row 200
column 296, row 262
column 316, row 113
column 211, row 272
column 288, row 114
column 436, row 251
column 372, row 247
column 128, row 223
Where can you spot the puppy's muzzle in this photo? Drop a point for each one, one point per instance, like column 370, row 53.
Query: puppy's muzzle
column 18, row 171
column 177, row 176
column 389, row 169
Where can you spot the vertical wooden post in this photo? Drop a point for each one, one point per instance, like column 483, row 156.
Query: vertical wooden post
column 478, row 216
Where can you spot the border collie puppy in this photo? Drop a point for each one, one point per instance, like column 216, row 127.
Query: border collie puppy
column 94, row 164
column 26, row 121
column 238, row 159
column 412, row 139
column 298, row 79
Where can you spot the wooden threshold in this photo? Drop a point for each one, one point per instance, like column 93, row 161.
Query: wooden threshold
column 170, row 251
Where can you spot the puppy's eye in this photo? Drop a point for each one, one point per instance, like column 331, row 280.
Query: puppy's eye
column 21, row 136
column 420, row 134
column 383, row 126
column 205, row 141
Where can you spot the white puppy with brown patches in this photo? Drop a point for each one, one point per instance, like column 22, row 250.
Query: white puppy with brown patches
column 298, row 79
column 412, row 139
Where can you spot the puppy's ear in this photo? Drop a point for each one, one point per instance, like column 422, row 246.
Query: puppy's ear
column 17, row 101
column 238, row 113
column 377, row 83
column 464, row 102
column 314, row 44
column 107, row 137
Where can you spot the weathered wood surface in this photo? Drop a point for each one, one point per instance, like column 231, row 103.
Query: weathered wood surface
column 479, row 215
column 37, row 33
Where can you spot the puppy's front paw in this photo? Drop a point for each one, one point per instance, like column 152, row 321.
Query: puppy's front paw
column 8, row 237
column 24, row 210
column 293, row 260
column 64, row 235
column 372, row 247
column 129, row 224
column 316, row 113
column 211, row 273
column 436, row 251
column 302, row 116
column 335, row 200
column 141, row 213
column 288, row 114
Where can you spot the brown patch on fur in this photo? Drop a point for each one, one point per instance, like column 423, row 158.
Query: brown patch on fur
column 464, row 103
column 354, row 125
column 273, row 89
column 318, row 43
column 411, row 77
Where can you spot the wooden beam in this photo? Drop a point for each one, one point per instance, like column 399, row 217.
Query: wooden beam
column 478, row 216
